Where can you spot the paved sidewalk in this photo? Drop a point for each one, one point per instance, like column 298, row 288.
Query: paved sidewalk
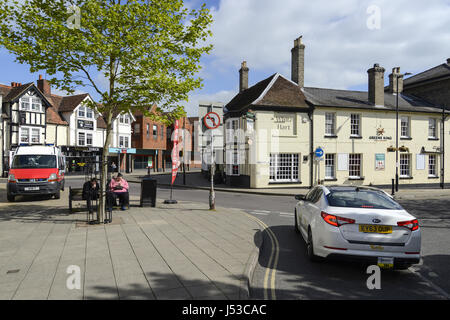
column 181, row 251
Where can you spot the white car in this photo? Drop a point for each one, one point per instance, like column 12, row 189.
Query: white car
column 357, row 223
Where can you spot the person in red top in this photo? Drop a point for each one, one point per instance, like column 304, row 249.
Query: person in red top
column 118, row 188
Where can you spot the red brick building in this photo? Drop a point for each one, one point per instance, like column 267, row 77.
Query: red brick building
column 149, row 140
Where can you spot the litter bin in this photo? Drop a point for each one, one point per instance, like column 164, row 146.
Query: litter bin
column 148, row 192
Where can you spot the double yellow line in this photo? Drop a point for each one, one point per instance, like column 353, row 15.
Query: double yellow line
column 271, row 269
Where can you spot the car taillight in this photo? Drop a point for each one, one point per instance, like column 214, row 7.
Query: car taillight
column 335, row 220
column 53, row 178
column 12, row 179
column 411, row 224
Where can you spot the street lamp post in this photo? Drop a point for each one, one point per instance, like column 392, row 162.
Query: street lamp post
column 396, row 131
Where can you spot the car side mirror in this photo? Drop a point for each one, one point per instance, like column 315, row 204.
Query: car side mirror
column 300, row 197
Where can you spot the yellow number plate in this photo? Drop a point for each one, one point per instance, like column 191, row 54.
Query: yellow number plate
column 369, row 228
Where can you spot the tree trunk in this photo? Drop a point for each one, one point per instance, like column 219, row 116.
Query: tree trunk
column 104, row 168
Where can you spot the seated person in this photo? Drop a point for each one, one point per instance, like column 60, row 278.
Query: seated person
column 90, row 192
column 118, row 188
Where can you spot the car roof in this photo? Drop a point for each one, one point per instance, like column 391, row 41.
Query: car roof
column 349, row 188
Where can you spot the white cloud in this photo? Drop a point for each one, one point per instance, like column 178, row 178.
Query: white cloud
column 339, row 46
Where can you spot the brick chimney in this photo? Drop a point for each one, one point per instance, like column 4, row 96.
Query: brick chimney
column 393, row 81
column 243, row 77
column 298, row 62
column 44, row 86
column 376, row 85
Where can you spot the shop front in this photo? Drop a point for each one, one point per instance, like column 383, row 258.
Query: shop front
column 78, row 158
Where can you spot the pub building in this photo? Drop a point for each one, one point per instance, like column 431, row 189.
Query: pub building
column 273, row 128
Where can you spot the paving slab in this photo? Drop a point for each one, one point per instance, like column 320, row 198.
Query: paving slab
column 182, row 251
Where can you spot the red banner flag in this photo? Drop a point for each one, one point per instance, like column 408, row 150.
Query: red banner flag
column 175, row 153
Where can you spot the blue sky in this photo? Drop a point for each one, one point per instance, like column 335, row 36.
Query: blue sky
column 341, row 43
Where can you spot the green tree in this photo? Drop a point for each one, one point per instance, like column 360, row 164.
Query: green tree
column 147, row 52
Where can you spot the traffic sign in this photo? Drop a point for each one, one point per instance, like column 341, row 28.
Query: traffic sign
column 319, row 152
column 211, row 120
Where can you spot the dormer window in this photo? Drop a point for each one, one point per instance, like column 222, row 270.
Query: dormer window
column 124, row 119
column 28, row 103
column 85, row 112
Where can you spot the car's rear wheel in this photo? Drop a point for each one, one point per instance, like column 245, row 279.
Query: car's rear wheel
column 296, row 222
column 10, row 197
column 310, row 248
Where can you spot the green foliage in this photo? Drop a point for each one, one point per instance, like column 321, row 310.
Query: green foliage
column 147, row 52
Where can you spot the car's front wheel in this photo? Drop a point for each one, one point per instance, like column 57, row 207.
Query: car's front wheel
column 310, row 248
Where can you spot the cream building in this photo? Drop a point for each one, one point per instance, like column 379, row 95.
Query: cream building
column 281, row 123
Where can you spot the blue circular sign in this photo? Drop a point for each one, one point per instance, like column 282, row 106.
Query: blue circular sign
column 319, row 152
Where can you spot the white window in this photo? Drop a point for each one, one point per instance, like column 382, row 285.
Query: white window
column 82, row 112
column 123, row 142
column 354, row 165
column 232, row 129
column 432, row 128
column 81, row 138
column 24, row 135
column 124, row 119
column 330, row 165
column 89, row 113
column 330, row 124
column 155, row 131
column 36, row 104
column 355, row 125
column 137, row 128
column 432, row 165
column 89, row 139
column 404, row 127
column 35, row 135
column 30, row 135
column 405, row 165
column 28, row 103
column 284, row 167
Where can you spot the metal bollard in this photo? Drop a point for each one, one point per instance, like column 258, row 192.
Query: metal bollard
column 393, row 186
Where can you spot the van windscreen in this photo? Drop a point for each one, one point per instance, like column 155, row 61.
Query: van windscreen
column 33, row 161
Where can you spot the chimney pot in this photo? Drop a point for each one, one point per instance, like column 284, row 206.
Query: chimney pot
column 44, row 86
column 298, row 62
column 13, row 84
column 376, row 85
column 243, row 76
column 393, row 81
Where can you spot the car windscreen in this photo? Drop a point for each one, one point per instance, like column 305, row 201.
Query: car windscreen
column 33, row 161
column 370, row 199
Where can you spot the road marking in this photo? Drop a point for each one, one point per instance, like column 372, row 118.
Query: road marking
column 274, row 256
column 286, row 214
column 259, row 213
column 430, row 283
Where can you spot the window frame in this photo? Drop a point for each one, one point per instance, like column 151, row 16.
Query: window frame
column 405, row 166
column 333, row 165
column 333, row 124
column 284, row 167
column 356, row 124
column 434, row 128
column 408, row 127
column 351, row 166
column 432, row 166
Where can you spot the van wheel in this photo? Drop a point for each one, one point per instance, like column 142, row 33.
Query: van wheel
column 10, row 198
column 58, row 194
